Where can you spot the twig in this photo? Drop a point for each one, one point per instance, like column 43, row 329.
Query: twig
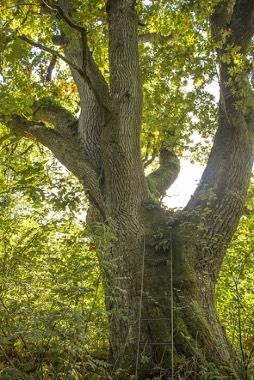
column 13, row 141
column 93, row 304
column 60, row 12
column 7, row 357
column 51, row 68
column 53, row 52
column 4, row 138
column 18, row 5
column 64, row 16
column 239, row 317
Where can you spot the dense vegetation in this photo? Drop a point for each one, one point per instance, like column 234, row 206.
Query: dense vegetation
column 52, row 317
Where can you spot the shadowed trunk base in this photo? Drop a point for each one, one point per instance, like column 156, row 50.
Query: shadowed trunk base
column 142, row 310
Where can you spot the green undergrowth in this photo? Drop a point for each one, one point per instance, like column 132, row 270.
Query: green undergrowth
column 52, row 319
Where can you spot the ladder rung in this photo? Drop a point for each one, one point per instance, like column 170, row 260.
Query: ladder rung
column 146, row 297
column 155, row 319
column 157, row 344
column 150, row 275
column 154, row 298
column 154, row 275
column 158, row 261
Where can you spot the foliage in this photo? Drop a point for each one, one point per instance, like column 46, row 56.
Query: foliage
column 52, row 315
column 235, row 289
column 176, row 72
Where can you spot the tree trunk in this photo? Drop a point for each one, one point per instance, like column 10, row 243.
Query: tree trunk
column 159, row 271
column 144, row 308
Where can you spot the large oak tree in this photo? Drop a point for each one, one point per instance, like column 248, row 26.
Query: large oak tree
column 159, row 269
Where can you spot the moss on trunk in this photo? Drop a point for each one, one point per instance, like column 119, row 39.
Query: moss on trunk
column 138, row 290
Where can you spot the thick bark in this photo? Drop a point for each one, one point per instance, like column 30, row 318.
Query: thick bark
column 219, row 199
column 140, row 304
column 124, row 176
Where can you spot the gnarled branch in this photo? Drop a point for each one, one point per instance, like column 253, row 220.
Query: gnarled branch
column 160, row 180
column 53, row 52
column 89, row 69
column 219, row 198
column 65, row 150
column 95, row 100
column 50, row 112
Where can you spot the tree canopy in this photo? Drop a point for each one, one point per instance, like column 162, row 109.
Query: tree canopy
column 177, row 63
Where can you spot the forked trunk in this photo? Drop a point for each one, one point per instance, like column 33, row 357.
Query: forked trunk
column 159, row 274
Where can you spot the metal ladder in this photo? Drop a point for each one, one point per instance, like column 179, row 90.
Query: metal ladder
column 171, row 318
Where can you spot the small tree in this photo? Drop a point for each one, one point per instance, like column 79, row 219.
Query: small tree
column 102, row 149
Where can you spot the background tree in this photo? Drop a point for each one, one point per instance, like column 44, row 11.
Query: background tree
column 180, row 44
